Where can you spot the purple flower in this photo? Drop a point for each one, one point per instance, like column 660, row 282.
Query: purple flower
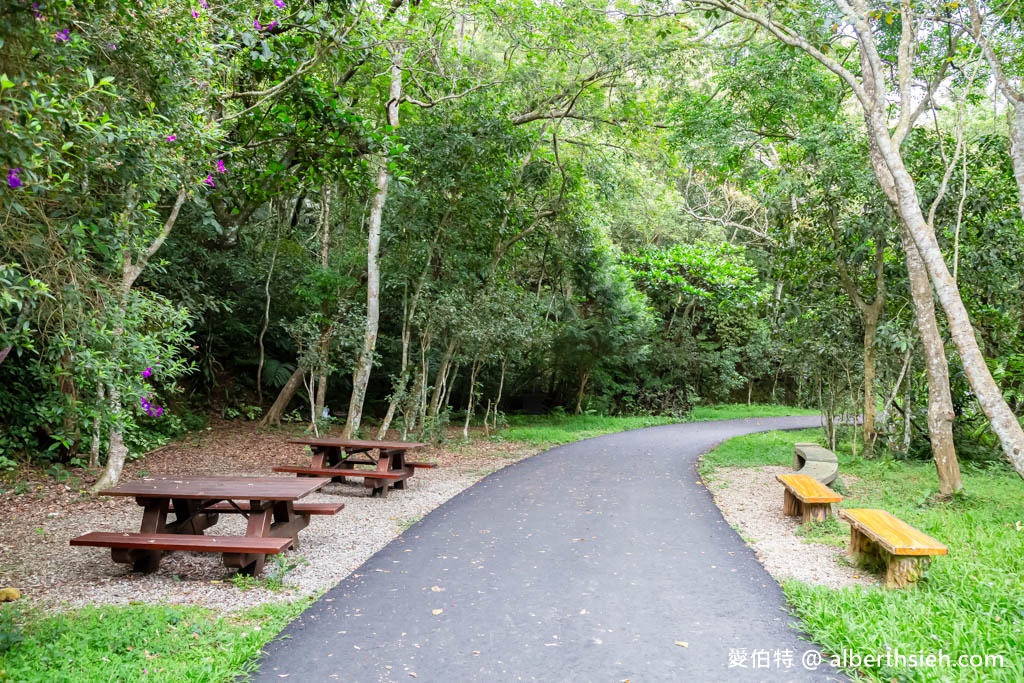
column 172, row 138
column 256, row 25
column 64, row 35
column 209, row 180
column 12, row 178
column 111, row 46
column 195, row 14
column 220, row 166
column 279, row 3
column 203, row 3
column 147, row 373
column 271, row 26
column 159, row 411
column 35, row 10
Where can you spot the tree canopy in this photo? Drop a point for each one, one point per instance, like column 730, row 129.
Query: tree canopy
column 387, row 213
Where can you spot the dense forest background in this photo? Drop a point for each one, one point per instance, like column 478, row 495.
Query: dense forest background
column 412, row 213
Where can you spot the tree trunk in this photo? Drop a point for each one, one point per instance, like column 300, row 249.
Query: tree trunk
column 94, row 449
column 361, row 375
column 117, row 452
column 469, row 402
column 583, row 387
column 940, row 402
column 276, row 412
column 870, row 409
column 327, row 329
column 266, row 320
column 501, row 387
column 439, row 379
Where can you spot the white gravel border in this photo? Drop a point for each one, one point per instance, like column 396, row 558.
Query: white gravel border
column 750, row 498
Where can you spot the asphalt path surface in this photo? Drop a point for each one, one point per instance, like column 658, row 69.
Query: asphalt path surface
column 602, row 560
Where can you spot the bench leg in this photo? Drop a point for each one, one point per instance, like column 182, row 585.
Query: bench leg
column 815, row 512
column 154, row 521
column 903, row 570
column 862, row 551
column 790, row 504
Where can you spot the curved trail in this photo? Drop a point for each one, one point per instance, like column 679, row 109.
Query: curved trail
column 589, row 562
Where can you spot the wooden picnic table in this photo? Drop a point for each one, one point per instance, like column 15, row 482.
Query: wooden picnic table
column 332, row 458
column 274, row 519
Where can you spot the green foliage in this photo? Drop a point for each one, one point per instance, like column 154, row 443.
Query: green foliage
column 608, row 216
column 151, row 642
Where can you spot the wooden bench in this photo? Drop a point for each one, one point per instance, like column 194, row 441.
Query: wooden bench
column 194, row 542
column 806, row 497
column 420, row 465
column 378, row 481
column 337, row 473
column 876, row 536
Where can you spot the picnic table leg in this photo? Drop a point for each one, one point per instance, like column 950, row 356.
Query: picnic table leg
column 398, row 463
column 154, row 520
column 189, row 517
column 320, row 456
column 287, row 522
column 379, row 487
column 259, row 525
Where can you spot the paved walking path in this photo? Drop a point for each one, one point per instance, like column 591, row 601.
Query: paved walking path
column 590, row 562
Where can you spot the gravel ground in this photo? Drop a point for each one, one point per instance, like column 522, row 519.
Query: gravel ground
column 38, row 517
column 751, row 500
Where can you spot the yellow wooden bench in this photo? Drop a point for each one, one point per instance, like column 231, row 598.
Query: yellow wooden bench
column 875, row 536
column 806, row 497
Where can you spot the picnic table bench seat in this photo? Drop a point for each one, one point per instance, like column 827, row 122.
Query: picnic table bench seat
column 877, row 536
column 195, row 542
column 243, row 506
column 806, row 497
column 420, row 465
column 339, row 473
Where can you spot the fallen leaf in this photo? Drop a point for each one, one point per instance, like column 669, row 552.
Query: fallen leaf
column 437, row 611
column 436, row 589
column 682, row 643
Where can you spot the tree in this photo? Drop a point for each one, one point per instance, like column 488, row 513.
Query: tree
column 873, row 91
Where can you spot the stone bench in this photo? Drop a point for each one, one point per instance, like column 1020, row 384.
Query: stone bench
column 815, row 461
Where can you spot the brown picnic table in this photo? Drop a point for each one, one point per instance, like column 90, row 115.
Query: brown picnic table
column 333, row 458
column 274, row 518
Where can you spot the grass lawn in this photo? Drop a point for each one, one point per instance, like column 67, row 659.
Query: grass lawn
column 137, row 642
column 971, row 601
column 554, row 430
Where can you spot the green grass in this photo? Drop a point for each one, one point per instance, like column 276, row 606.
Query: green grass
column 137, row 642
column 971, row 602
column 553, row 430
